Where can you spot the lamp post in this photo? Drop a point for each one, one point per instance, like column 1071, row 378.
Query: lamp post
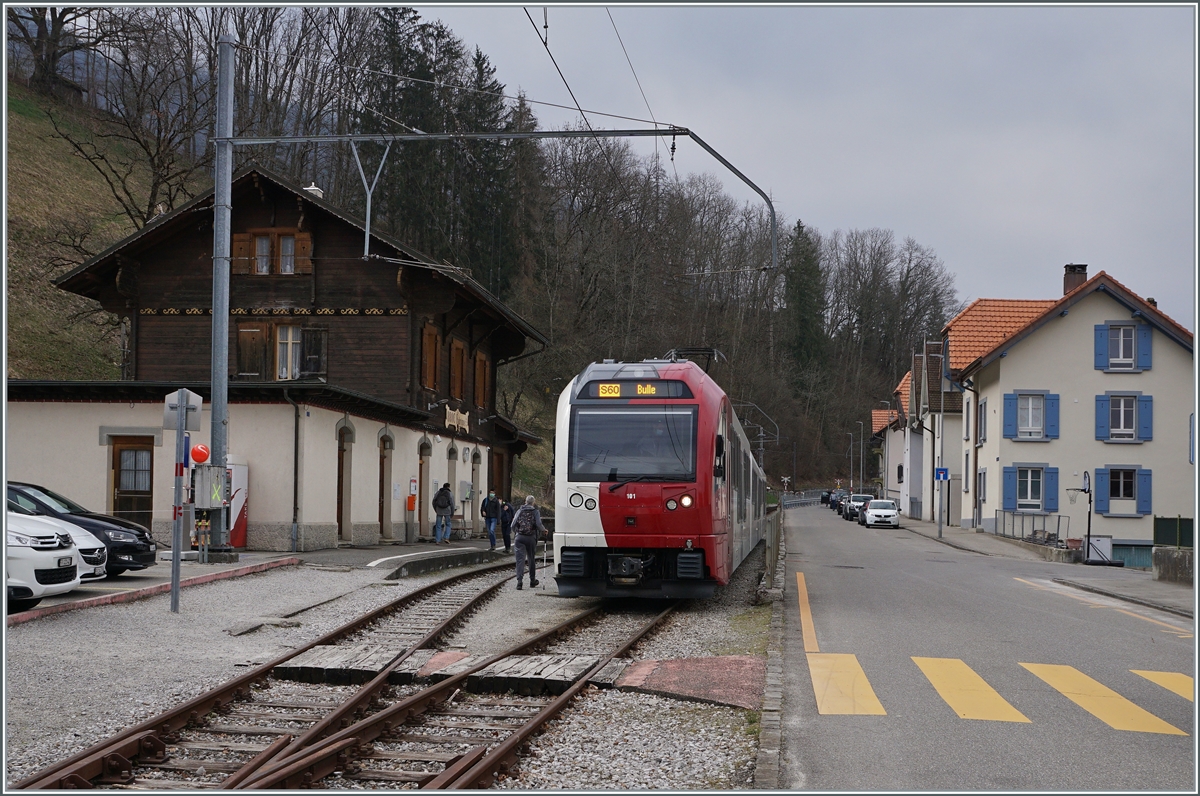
column 851, row 433
column 861, row 429
column 886, row 434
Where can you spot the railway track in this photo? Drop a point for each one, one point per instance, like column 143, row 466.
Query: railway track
column 369, row 720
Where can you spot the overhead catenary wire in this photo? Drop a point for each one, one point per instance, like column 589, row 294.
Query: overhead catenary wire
column 629, row 61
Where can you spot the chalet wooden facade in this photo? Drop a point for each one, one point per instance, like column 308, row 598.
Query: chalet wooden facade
column 391, row 342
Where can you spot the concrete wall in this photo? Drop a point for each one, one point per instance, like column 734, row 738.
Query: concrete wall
column 1173, row 564
column 1058, row 358
column 60, row 445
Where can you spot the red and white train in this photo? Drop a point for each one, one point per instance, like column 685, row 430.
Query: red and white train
column 656, row 493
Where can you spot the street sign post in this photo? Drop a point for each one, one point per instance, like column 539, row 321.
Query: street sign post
column 182, row 413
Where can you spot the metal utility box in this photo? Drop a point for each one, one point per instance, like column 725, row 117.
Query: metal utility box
column 211, row 486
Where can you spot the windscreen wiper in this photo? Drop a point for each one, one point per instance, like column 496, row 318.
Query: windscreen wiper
column 620, row 484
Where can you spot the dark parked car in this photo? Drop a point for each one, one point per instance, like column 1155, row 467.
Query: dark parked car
column 825, row 497
column 130, row 546
column 854, row 504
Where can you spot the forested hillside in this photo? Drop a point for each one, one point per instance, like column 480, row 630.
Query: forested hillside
column 608, row 253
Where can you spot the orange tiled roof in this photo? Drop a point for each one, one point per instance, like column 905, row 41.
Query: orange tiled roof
column 986, row 323
column 902, row 391
column 880, row 418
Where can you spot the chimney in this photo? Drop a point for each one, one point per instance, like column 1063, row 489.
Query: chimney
column 317, row 192
column 1076, row 275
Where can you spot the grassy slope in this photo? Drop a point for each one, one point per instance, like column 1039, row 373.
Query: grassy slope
column 47, row 185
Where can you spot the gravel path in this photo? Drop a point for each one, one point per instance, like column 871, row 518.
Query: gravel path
column 75, row 678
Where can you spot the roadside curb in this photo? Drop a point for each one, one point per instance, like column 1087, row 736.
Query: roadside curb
column 946, row 542
column 1116, row 596
column 769, row 761
column 149, row 591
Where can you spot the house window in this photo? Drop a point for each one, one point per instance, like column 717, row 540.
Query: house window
column 287, row 254
column 981, row 485
column 1120, row 347
column 458, row 368
column 481, row 380
column 262, row 254
column 1029, row 416
column 431, row 343
column 966, row 420
column 981, row 423
column 287, row 353
column 1121, row 417
column 966, row 469
column 1121, row 484
column 1029, row 488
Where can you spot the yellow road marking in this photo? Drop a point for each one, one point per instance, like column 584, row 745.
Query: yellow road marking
column 808, row 629
column 1102, row 702
column 1175, row 682
column 1173, row 628
column 841, row 686
column 966, row 692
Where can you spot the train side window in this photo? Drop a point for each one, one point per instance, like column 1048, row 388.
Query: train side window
column 719, row 462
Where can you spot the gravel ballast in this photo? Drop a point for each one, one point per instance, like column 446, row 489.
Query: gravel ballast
column 73, row 679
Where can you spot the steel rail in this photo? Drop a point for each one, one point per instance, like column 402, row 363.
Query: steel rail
column 61, row 774
column 504, row 755
column 280, row 774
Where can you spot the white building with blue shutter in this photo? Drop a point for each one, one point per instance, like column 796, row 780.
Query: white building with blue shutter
column 1100, row 382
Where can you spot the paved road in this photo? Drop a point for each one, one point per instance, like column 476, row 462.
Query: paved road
column 916, row 666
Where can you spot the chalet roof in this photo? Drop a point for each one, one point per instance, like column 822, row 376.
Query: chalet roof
column 985, row 323
column 76, row 280
column 902, row 391
column 1101, row 282
column 882, row 418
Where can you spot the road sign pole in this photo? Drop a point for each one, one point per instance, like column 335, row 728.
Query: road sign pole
column 177, row 508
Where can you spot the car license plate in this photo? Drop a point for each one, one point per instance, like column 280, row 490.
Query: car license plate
column 66, row 562
column 153, row 548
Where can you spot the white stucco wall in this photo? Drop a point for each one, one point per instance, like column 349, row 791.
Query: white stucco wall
column 1059, row 358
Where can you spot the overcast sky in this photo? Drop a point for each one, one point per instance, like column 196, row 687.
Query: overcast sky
column 1011, row 140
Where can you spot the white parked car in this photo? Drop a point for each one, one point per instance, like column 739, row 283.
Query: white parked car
column 881, row 512
column 41, row 560
column 92, row 551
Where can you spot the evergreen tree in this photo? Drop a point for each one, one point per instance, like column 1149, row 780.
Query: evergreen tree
column 805, row 296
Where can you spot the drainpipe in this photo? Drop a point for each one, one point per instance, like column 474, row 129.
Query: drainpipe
column 295, row 469
column 977, row 514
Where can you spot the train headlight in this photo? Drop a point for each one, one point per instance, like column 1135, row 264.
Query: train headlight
column 686, row 500
column 576, row 499
column 590, row 504
column 672, row 505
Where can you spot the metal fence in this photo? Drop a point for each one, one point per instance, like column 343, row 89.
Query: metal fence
column 1039, row 528
column 808, row 497
column 1173, row 531
column 772, row 531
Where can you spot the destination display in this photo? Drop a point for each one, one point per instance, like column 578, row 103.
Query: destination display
column 636, row 389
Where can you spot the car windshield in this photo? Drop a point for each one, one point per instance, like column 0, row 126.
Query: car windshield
column 860, row 498
column 54, row 501
column 882, row 505
column 617, row 443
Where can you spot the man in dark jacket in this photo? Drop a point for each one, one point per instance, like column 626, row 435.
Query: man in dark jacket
column 490, row 511
column 443, row 507
column 527, row 521
column 506, row 518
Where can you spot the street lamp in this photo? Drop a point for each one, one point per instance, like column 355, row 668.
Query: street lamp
column 860, row 453
column 851, row 433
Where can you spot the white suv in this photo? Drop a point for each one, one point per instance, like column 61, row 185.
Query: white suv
column 41, row 560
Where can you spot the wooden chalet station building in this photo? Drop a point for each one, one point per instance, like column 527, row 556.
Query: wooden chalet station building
column 356, row 385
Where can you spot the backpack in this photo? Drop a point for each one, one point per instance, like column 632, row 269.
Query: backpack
column 441, row 500
column 524, row 523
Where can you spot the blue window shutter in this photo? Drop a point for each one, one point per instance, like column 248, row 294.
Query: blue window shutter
column 1101, row 346
column 1052, row 416
column 1010, row 489
column 1050, row 489
column 1100, row 490
column 1144, row 502
column 1145, row 417
column 1102, row 417
column 1144, row 345
column 1010, row 416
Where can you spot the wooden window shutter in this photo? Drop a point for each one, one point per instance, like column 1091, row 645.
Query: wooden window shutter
column 252, row 351
column 429, row 345
column 481, row 385
column 313, row 346
column 458, row 367
column 304, row 253
column 240, row 253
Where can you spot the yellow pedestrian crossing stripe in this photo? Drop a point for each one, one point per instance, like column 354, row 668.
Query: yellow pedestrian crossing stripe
column 1102, row 702
column 966, row 692
column 1175, row 682
column 841, row 686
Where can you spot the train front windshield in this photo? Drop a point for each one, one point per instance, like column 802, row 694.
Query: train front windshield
column 646, row 442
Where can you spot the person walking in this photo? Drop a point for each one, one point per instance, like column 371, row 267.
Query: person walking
column 490, row 511
column 527, row 521
column 443, row 507
column 506, row 518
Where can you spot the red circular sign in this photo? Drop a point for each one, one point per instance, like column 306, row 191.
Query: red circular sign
column 199, row 454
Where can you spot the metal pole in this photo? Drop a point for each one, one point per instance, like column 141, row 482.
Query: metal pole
column 177, row 507
column 222, row 200
column 851, row 433
column 861, row 440
column 887, row 433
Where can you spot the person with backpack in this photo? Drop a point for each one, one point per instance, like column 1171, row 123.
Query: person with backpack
column 526, row 523
column 443, row 507
column 506, row 518
column 490, row 511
